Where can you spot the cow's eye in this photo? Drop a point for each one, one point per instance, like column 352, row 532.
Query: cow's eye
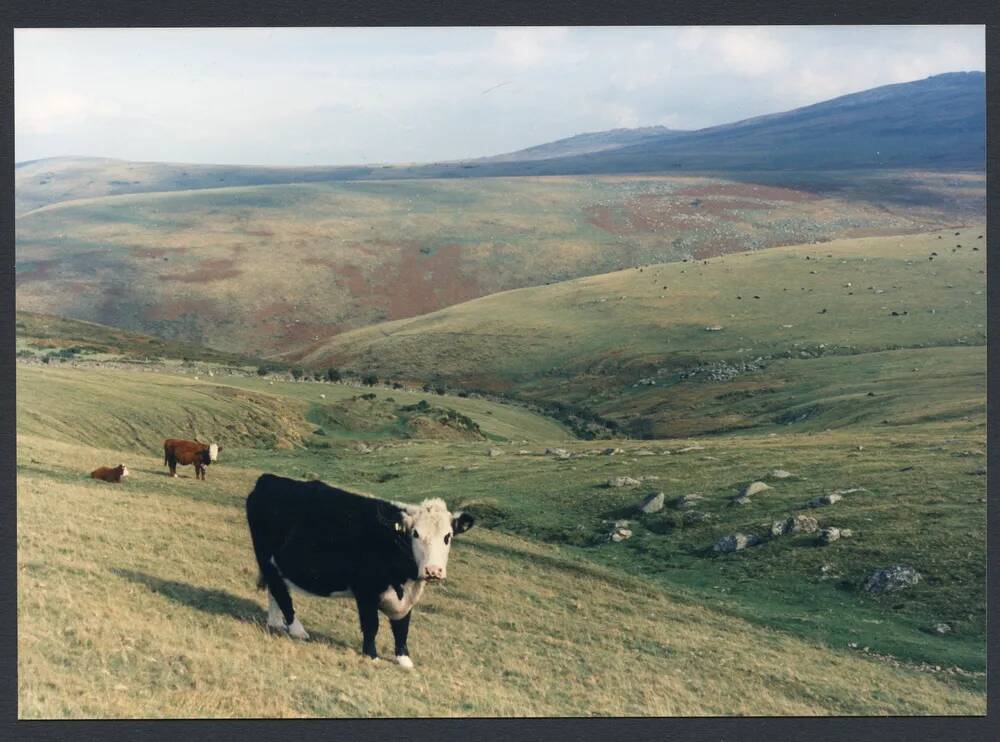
column 415, row 534
column 447, row 538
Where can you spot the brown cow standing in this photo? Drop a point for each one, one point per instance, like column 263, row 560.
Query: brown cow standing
column 177, row 451
column 107, row 474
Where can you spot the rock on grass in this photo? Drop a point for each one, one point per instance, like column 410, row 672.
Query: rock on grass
column 686, row 502
column 896, row 577
column 753, row 488
column 736, row 542
column 652, row 503
column 822, row 500
column 623, row 482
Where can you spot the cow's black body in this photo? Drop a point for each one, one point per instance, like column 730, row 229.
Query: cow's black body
column 326, row 541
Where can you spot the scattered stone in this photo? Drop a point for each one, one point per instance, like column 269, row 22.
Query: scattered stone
column 753, row 488
column 780, row 474
column 652, row 503
column 363, row 448
column 691, row 448
column 686, row 502
column 892, row 578
column 980, row 472
column 524, row 452
column 620, row 531
column 802, row 524
column 741, row 500
column 623, row 482
column 649, row 478
column 644, row 452
column 829, row 535
column 828, row 571
column 559, row 453
column 322, row 396
column 448, row 467
column 849, row 490
column 736, row 542
column 494, row 452
column 942, row 629
column 824, row 500
column 713, row 328
column 612, row 451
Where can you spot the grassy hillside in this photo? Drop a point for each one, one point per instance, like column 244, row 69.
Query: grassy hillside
column 814, row 336
column 138, row 600
column 271, row 269
column 42, row 335
column 39, row 183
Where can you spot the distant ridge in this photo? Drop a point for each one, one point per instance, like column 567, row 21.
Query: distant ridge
column 590, row 142
column 938, row 123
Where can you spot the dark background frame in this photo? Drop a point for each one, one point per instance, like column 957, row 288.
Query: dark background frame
column 168, row 13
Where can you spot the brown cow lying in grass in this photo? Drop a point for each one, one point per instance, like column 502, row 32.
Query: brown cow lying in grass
column 178, row 451
column 107, row 474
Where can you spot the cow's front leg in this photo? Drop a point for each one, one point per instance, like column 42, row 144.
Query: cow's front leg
column 368, row 613
column 400, row 629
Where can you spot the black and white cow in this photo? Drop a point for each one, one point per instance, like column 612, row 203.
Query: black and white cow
column 326, row 541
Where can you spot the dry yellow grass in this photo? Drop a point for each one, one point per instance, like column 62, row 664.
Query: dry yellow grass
column 138, row 601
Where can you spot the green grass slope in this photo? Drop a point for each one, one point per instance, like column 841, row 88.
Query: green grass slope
column 137, row 600
column 856, row 331
column 41, row 335
column 266, row 270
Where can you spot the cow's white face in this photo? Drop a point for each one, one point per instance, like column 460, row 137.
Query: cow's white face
column 431, row 528
column 124, row 470
column 213, row 452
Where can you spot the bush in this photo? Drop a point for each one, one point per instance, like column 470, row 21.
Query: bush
column 369, row 379
column 333, row 374
column 396, row 385
column 439, row 389
column 297, row 373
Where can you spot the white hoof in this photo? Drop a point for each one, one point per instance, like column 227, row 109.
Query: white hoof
column 404, row 661
column 296, row 631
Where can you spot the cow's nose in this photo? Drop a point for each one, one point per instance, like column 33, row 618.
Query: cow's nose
column 433, row 573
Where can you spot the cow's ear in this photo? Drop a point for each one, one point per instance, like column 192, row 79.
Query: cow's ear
column 461, row 522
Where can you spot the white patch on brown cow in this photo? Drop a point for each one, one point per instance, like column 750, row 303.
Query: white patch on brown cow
column 213, row 452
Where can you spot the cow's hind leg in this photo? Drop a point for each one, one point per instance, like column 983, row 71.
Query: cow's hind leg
column 368, row 613
column 400, row 629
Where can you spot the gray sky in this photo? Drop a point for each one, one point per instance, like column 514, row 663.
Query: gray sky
column 345, row 96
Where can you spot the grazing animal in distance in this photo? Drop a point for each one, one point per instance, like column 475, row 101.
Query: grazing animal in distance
column 326, row 541
column 107, row 474
column 178, row 451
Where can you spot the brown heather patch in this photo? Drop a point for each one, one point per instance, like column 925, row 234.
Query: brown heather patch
column 157, row 252
column 42, row 272
column 174, row 310
column 206, row 272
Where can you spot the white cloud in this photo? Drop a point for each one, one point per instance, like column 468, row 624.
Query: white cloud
column 528, row 47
